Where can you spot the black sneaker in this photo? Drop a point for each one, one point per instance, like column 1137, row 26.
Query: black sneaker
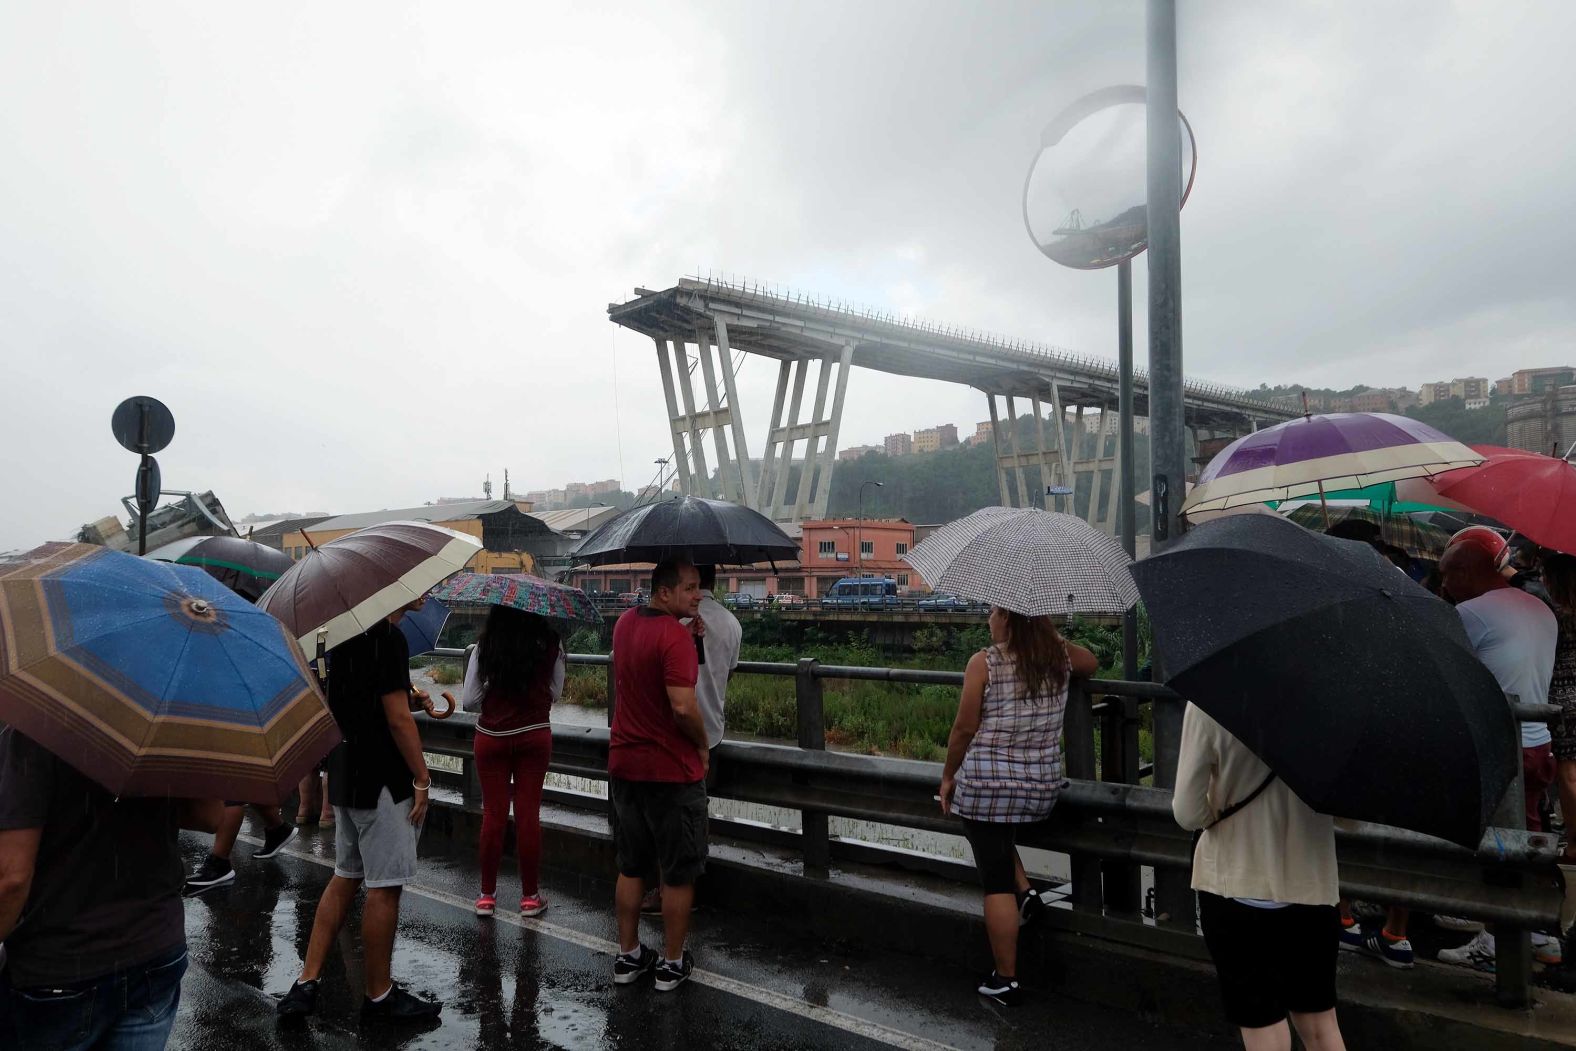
column 211, row 873
column 399, row 1006
column 1030, row 907
column 274, row 840
column 1004, row 991
column 671, row 976
column 629, row 966
column 300, row 1001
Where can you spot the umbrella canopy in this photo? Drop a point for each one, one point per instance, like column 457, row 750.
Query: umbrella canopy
column 1321, row 656
column 1533, row 494
column 1038, row 563
column 1343, row 450
column 344, row 587
column 422, row 628
column 244, row 566
column 703, row 531
column 154, row 679
column 1418, row 539
column 564, row 605
column 1399, row 497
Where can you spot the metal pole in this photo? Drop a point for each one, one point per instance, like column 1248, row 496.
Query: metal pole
column 1125, row 507
column 1167, row 436
column 142, row 474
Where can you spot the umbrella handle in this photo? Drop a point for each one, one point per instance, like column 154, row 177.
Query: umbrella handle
column 447, row 696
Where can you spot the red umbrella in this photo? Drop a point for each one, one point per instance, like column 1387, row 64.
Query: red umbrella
column 1533, row 494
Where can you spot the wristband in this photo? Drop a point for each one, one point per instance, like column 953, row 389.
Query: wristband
column 421, row 788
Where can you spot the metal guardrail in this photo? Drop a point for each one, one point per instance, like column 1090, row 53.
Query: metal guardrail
column 1105, row 821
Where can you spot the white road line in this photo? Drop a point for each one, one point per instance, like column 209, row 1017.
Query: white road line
column 825, row 1015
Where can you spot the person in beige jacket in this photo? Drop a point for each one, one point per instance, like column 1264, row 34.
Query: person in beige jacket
column 1264, row 869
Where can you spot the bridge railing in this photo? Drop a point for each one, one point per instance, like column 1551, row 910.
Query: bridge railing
column 1111, row 826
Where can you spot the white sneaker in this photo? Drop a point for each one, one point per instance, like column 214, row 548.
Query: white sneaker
column 1477, row 953
column 1546, row 949
column 1456, row 923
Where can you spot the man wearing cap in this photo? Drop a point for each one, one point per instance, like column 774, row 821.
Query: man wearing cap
column 1514, row 635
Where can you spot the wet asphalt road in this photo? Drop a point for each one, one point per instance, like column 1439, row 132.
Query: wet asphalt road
column 510, row 983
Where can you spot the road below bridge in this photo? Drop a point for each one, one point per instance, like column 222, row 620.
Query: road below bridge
column 546, row 982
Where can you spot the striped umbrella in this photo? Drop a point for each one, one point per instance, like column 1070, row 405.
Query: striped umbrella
column 341, row 589
column 244, row 566
column 557, row 602
column 1418, row 539
column 154, row 679
column 1038, row 563
column 1316, row 454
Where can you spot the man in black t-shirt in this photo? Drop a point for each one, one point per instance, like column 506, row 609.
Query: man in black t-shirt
column 90, row 905
column 378, row 782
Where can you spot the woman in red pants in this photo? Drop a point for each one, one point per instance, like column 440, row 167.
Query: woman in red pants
column 515, row 674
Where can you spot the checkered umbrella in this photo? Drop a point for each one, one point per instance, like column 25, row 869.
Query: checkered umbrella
column 1038, row 563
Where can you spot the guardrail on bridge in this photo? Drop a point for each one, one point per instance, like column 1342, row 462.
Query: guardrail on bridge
column 1107, row 822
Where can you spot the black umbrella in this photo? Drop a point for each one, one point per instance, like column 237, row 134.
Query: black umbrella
column 704, row 531
column 244, row 566
column 1356, row 686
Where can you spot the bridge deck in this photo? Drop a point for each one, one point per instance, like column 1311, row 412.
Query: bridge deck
column 786, row 327
column 546, row 982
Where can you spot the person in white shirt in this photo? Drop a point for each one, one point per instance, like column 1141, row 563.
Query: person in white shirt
column 1515, row 635
column 723, row 637
column 1265, row 872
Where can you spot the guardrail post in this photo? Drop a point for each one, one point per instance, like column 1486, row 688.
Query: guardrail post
column 1174, row 902
column 612, row 690
column 1122, row 880
column 812, row 734
column 470, row 784
column 1078, row 753
column 1512, row 945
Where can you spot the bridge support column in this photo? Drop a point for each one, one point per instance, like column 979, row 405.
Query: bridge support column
column 720, row 416
column 814, row 487
column 995, row 439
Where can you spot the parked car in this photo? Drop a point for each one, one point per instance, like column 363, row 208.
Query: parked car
column 632, row 598
column 739, row 600
column 787, row 600
column 941, row 600
column 863, row 592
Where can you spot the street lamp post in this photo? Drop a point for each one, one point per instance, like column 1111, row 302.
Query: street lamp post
column 860, row 535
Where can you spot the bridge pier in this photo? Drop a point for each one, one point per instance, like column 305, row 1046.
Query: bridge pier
column 814, row 486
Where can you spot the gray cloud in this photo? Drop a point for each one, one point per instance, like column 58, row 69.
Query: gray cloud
column 364, row 252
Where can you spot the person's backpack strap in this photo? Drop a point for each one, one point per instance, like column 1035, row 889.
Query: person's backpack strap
column 1250, row 797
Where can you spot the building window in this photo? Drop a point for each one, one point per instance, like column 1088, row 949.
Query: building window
column 827, row 549
column 902, row 578
column 902, row 548
column 867, row 548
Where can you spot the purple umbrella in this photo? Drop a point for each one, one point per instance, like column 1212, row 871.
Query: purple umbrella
column 1341, row 450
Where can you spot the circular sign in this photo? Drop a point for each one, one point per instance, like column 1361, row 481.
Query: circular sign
column 142, row 424
column 148, row 485
column 1085, row 199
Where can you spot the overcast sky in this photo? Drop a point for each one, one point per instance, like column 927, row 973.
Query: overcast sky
column 364, row 252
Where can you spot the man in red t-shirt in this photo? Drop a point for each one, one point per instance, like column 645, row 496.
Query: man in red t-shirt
column 656, row 768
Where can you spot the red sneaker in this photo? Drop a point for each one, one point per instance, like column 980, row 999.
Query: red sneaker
column 533, row 905
column 485, row 904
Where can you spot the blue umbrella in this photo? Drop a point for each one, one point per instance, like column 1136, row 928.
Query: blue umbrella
column 423, row 627
column 154, row 679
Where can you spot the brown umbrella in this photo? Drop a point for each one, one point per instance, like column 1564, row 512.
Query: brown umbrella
column 346, row 586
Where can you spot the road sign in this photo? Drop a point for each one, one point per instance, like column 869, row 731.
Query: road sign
column 142, row 424
column 148, row 485
column 1058, row 490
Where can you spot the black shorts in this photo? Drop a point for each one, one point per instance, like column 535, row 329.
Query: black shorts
column 995, row 846
column 660, row 826
column 1271, row 961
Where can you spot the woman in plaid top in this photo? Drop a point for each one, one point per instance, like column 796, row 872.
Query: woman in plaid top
column 1004, row 768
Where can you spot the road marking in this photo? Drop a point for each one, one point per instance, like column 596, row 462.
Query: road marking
column 790, row 1005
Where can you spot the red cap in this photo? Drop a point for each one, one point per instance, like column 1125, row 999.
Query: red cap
column 1487, row 539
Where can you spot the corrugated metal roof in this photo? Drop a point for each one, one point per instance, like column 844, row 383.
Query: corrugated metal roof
column 427, row 513
column 576, row 518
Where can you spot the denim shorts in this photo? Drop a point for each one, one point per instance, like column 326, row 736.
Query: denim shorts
column 132, row 1009
column 378, row 845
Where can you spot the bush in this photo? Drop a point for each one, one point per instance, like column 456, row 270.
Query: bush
column 586, row 640
column 447, row 673
column 586, row 687
column 930, row 639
